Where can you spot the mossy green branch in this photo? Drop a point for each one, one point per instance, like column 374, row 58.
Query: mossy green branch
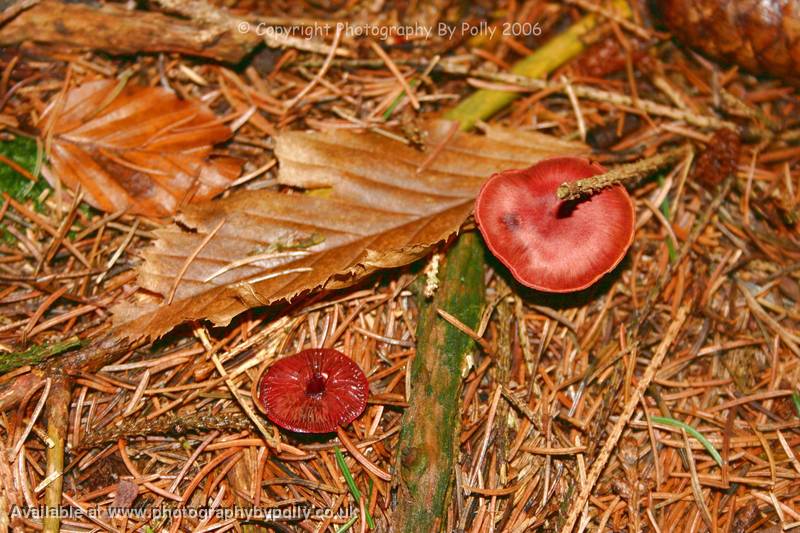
column 429, row 436
column 36, row 354
column 428, row 445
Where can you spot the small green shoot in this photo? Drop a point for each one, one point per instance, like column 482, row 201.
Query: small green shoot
column 691, row 431
column 665, row 210
column 347, row 525
column 389, row 110
column 348, row 477
column 796, row 402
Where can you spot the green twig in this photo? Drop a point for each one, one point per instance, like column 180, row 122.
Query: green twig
column 429, row 436
column 36, row 354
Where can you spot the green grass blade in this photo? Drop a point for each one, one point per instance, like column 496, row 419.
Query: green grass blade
column 396, row 101
column 691, row 431
column 348, row 477
column 665, row 211
column 347, row 525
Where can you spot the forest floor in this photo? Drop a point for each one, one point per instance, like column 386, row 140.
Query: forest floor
column 663, row 398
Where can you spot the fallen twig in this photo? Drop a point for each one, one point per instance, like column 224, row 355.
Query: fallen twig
column 429, row 436
column 618, row 175
column 57, row 422
column 117, row 30
column 36, row 354
column 170, row 424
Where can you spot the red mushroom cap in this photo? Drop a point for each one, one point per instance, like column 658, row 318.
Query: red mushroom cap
column 313, row 391
column 550, row 244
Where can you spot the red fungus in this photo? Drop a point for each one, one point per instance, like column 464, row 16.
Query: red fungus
column 549, row 244
column 313, row 391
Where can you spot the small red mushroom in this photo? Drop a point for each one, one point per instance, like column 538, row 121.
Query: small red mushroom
column 314, row 391
column 549, row 244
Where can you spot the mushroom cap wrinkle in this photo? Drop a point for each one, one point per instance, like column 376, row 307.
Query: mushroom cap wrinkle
column 550, row 244
column 313, row 391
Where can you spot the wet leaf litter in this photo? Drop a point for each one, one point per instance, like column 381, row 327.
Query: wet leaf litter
column 664, row 393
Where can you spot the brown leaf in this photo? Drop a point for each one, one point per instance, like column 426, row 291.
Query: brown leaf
column 139, row 148
column 380, row 213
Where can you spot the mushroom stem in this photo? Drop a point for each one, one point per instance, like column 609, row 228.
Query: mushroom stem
column 621, row 174
column 316, row 385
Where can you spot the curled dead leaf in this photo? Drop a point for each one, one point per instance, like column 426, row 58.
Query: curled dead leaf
column 380, row 213
column 140, row 149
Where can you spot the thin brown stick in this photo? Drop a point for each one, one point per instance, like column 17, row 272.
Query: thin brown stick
column 468, row 331
column 695, row 483
column 118, row 30
column 397, row 74
column 15, row 9
column 621, row 20
column 336, row 38
column 57, row 422
column 438, row 148
column 269, row 439
column 358, row 456
column 17, row 167
column 619, row 175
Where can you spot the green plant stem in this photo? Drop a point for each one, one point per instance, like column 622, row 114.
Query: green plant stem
column 347, row 525
column 389, row 110
column 796, row 402
column 351, row 483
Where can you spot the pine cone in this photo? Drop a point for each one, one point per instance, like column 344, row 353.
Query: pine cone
column 761, row 36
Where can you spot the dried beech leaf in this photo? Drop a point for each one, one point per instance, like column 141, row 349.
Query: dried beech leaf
column 140, row 148
column 381, row 213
